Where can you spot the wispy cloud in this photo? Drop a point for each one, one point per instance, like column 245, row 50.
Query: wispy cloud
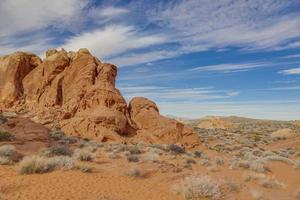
column 112, row 40
column 229, row 67
column 290, row 71
column 177, row 94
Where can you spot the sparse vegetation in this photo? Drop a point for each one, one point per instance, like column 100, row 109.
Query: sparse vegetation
column 8, row 155
column 56, row 151
column 135, row 172
column 174, row 148
column 132, row 158
column 83, row 167
column 196, row 187
column 255, row 194
column 6, row 136
column 83, row 155
column 271, row 183
column 39, row 165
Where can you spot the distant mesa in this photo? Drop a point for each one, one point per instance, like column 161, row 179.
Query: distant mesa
column 76, row 92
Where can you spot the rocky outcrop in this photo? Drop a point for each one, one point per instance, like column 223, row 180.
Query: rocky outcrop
column 13, row 68
column 153, row 127
column 76, row 92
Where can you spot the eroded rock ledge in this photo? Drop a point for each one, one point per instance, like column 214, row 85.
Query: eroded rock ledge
column 76, row 92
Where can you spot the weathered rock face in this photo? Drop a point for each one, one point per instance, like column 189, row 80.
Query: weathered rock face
column 76, row 92
column 13, row 68
column 156, row 128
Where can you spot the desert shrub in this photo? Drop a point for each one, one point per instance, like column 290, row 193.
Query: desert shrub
column 198, row 187
column 198, row 154
column 113, row 155
column 253, row 176
column 176, row 149
column 83, row 155
column 219, row 161
column 56, row 135
column 60, row 136
column 6, row 136
column 83, row 167
column 8, row 155
column 259, row 167
column 151, row 157
column 280, row 159
column 135, row 172
column 270, row 183
column 56, row 151
column 39, row 165
column 232, row 186
column 2, row 119
column 134, row 150
column 205, row 162
column 132, row 158
column 255, row 194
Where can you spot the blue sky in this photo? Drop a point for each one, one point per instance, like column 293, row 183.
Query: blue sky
column 193, row 58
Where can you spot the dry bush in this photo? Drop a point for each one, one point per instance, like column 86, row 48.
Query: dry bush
column 6, row 136
column 56, row 151
column 280, row 159
column 196, row 187
column 218, row 161
column 255, row 194
column 132, row 158
column 83, row 167
column 135, row 172
column 271, row 183
column 175, row 149
column 248, row 176
column 151, row 157
column 83, row 155
column 113, row 155
column 8, row 155
column 37, row 164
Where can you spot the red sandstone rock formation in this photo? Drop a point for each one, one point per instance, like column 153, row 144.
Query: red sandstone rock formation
column 76, row 92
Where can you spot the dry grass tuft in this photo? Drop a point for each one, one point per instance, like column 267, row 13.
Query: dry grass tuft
column 83, row 155
column 198, row 187
column 39, row 165
column 8, row 155
column 255, row 194
column 135, row 172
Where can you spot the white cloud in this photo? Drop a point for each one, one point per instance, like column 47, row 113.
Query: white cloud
column 284, row 88
column 251, row 24
column 112, row 40
column 107, row 12
column 139, row 58
column 17, row 16
column 290, row 71
column 228, row 67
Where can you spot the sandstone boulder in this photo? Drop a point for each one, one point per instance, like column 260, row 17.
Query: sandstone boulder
column 156, row 128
